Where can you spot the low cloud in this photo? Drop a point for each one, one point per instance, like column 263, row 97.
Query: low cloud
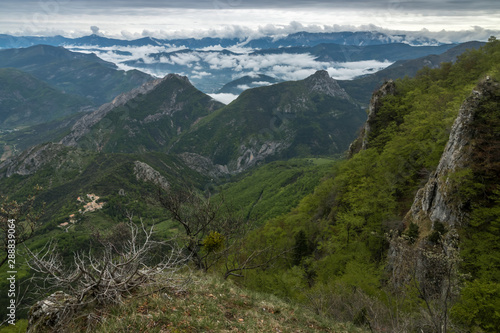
column 224, row 97
column 220, row 68
column 350, row 70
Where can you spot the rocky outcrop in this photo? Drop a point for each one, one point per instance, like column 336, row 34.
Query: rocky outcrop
column 146, row 173
column 435, row 201
column 361, row 143
column 50, row 314
column 254, row 152
column 204, row 165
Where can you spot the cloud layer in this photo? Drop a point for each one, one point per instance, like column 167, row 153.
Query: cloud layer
column 210, row 68
column 132, row 19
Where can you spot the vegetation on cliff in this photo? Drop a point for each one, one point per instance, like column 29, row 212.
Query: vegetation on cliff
column 347, row 219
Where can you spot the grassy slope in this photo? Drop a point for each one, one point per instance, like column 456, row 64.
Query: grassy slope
column 209, row 304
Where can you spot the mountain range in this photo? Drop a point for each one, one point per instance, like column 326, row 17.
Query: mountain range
column 379, row 194
column 74, row 73
column 296, row 39
column 27, row 101
column 210, row 63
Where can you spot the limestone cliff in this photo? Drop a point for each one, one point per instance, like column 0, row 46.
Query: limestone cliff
column 146, row 173
column 435, row 201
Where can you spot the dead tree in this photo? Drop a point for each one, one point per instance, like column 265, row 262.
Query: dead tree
column 111, row 273
column 242, row 260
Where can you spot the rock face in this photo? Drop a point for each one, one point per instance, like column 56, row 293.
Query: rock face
column 204, row 165
column 435, row 201
column 30, row 160
column 50, row 313
column 361, row 143
column 146, row 173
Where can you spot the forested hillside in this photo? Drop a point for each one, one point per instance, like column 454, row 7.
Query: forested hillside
column 399, row 234
column 347, row 236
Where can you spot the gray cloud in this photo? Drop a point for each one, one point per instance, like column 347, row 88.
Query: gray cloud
column 131, row 6
column 243, row 18
column 459, row 5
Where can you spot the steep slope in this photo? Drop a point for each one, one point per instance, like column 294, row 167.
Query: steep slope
column 74, row 73
column 27, row 101
column 413, row 216
column 144, row 119
column 438, row 201
column 302, row 118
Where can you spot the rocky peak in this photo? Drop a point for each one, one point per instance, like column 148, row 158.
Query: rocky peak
column 85, row 123
column 388, row 88
column 435, row 201
column 323, row 83
column 176, row 77
column 361, row 143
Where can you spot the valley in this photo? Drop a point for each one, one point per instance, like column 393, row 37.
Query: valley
column 362, row 204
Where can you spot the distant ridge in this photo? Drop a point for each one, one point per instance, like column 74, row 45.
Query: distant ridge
column 303, row 38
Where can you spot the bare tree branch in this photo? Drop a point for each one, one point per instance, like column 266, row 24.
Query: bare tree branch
column 109, row 275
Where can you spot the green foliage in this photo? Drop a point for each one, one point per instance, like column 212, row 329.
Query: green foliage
column 438, row 231
column 479, row 304
column 301, row 248
column 349, row 213
column 275, row 188
column 412, row 233
column 20, row 327
column 213, row 242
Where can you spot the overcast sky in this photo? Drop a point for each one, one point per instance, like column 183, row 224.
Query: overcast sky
column 467, row 19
